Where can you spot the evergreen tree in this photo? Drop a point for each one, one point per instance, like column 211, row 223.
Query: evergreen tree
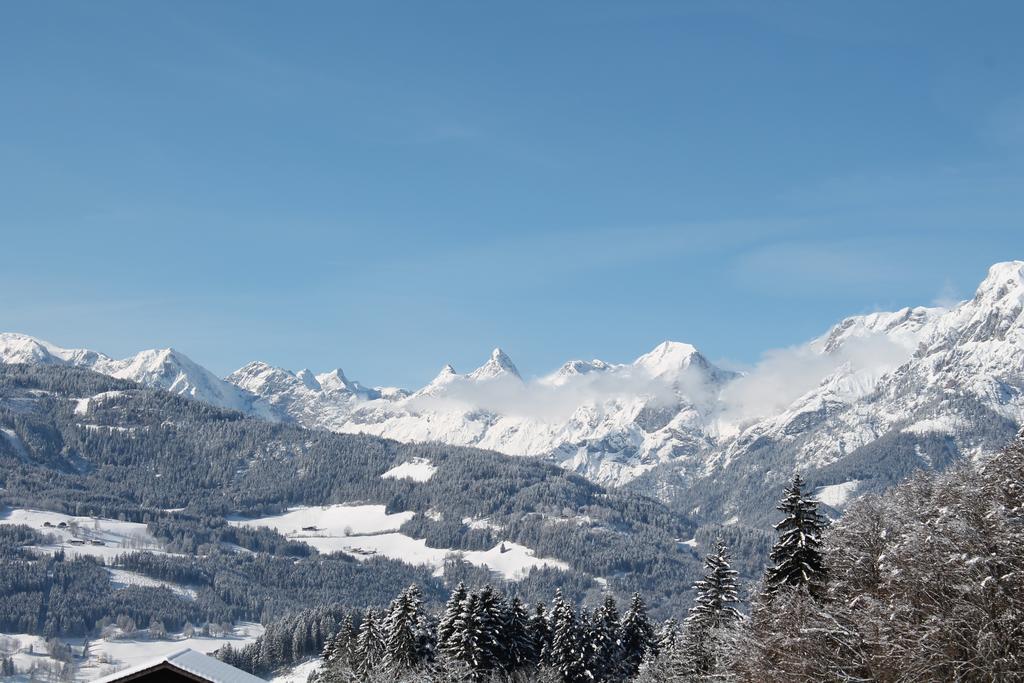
column 568, row 656
column 637, row 637
column 490, row 621
column 521, row 650
column 605, row 644
column 668, row 635
column 713, row 612
column 797, row 554
column 452, row 611
column 401, row 647
column 464, row 642
column 715, row 604
column 426, row 640
column 369, row 645
column 540, row 633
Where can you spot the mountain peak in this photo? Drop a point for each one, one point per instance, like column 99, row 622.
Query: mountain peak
column 499, row 365
column 308, row 378
column 335, row 380
column 573, row 369
column 1003, row 277
column 670, row 357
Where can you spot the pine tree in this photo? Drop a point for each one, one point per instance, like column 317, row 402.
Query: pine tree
column 797, row 553
column 668, row 635
column 452, row 611
column 426, row 640
column 540, row 633
column 637, row 636
column 713, row 612
column 717, row 597
column 568, row 656
column 401, row 649
column 369, row 645
column 521, row 650
column 490, row 621
column 605, row 644
column 464, row 641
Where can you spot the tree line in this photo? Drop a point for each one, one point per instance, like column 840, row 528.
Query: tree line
column 923, row 583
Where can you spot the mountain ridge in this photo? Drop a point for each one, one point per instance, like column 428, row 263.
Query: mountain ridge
column 669, row 410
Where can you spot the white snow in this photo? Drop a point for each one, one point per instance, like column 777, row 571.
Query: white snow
column 115, row 536
column 367, row 530
column 417, row 469
column 947, row 424
column 108, row 656
column 122, row 578
column 16, row 443
column 299, row 673
column 330, row 522
column 837, row 495
column 105, row 657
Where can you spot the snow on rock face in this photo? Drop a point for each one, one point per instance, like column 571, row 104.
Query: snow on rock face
column 174, row 371
column 160, row 368
column 669, row 358
column 950, row 382
column 20, row 348
column 417, row 469
column 499, row 365
column 918, row 371
column 575, row 368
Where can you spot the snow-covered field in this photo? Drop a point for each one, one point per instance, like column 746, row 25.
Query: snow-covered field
column 367, row 530
column 108, row 656
column 106, row 538
column 122, row 578
column 330, row 521
column 417, row 469
column 299, row 673
column 837, row 495
column 102, row 657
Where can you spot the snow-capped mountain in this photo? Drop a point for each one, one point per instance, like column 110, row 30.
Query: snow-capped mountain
column 160, row 368
column 935, row 383
column 958, row 392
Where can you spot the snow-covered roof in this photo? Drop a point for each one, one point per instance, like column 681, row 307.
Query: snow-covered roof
column 188, row 661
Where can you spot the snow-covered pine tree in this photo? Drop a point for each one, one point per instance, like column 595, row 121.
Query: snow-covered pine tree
column 637, row 636
column 490, row 621
column 605, row 645
column 713, row 613
column 540, row 633
column 300, row 638
column 464, row 641
column 669, row 635
column 797, row 554
column 426, row 640
column 717, row 592
column 452, row 611
column 401, row 650
column 520, row 649
column 338, row 654
column 369, row 644
column 568, row 653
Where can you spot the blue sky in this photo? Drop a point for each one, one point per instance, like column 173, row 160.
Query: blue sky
column 387, row 187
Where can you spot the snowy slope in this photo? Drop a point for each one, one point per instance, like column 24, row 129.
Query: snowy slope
column 928, row 374
column 160, row 368
column 955, row 390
